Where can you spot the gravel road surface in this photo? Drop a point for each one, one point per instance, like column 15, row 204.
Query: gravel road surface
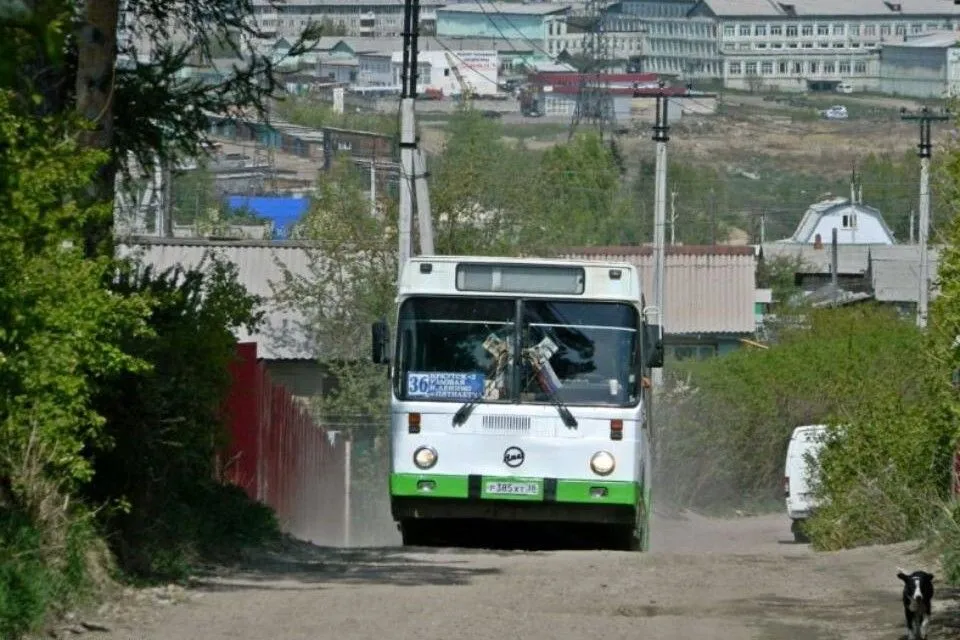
column 724, row 579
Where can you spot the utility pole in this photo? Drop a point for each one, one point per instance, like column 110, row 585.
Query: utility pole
column 673, row 217
column 408, row 131
column 660, row 130
column 763, row 228
column 925, row 117
column 713, row 218
column 424, row 213
column 373, row 187
column 913, row 214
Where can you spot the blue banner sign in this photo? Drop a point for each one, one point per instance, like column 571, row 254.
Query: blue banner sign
column 444, row 386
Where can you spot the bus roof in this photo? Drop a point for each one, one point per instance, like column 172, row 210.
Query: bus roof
column 499, row 276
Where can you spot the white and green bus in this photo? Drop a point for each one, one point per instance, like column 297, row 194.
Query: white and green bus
column 520, row 392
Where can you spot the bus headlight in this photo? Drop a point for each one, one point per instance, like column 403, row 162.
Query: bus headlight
column 424, row 457
column 602, row 463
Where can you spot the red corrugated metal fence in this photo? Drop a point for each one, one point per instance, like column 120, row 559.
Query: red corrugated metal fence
column 281, row 457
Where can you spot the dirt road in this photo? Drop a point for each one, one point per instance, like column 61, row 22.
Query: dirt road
column 721, row 579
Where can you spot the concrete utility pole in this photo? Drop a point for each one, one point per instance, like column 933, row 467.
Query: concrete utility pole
column 925, row 117
column 660, row 130
column 373, row 187
column 408, row 131
column 673, row 217
column 763, row 228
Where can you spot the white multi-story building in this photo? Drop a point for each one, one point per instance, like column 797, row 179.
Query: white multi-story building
column 369, row 18
column 800, row 44
column 789, row 45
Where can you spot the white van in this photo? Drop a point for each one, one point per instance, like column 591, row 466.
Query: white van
column 799, row 477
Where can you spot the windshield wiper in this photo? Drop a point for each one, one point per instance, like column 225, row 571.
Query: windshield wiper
column 565, row 414
column 466, row 409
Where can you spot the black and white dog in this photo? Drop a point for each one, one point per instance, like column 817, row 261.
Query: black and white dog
column 917, row 599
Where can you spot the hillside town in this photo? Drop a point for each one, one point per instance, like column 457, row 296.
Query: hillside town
column 525, row 318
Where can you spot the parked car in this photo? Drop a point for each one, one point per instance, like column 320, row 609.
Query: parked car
column 844, row 87
column 836, row 112
column 799, row 476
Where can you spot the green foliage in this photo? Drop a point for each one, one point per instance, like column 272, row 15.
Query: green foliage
column 351, row 283
column 728, row 436
column 160, row 458
column 314, row 113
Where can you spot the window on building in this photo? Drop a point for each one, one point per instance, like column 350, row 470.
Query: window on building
column 729, row 46
column 760, row 45
column 808, row 45
column 797, row 68
column 916, row 27
column 807, row 30
column 744, row 30
column 729, row 30
column 860, row 67
column 829, row 67
column 782, row 67
column 838, row 30
column 901, row 29
column 823, row 45
column 931, row 26
column 766, row 68
column 844, row 67
column 814, row 67
column 792, row 45
column 823, row 30
column 854, row 30
column 839, row 45
column 776, row 30
column 870, row 30
column 885, row 30
column 849, row 221
column 791, row 31
column 744, row 46
column 776, row 45
column 734, row 68
column 751, row 69
column 760, row 30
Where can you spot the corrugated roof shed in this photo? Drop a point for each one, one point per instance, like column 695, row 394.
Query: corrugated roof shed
column 896, row 278
column 284, row 335
column 853, row 259
column 707, row 289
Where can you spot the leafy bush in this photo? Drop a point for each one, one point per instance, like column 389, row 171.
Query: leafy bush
column 723, row 440
column 164, row 424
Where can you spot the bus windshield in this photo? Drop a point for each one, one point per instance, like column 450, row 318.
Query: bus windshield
column 462, row 349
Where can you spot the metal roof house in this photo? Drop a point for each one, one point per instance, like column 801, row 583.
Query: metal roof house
column 285, row 341
column 710, row 293
column 856, row 223
column 890, row 274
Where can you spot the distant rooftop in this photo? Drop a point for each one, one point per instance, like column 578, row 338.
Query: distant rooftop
column 511, row 8
column 814, row 8
column 936, row 40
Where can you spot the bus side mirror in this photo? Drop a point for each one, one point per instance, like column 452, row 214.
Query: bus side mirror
column 381, row 340
column 653, row 345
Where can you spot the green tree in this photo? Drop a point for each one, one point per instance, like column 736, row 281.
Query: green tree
column 583, row 201
column 351, row 283
column 60, row 340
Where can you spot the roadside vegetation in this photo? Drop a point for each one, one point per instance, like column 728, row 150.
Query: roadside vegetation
column 112, row 376
column 885, row 387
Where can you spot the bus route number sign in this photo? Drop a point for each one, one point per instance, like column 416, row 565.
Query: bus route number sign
column 444, row 386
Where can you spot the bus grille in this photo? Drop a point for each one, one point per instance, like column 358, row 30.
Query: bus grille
column 506, row 424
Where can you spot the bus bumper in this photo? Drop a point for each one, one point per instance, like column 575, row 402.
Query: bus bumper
column 425, row 496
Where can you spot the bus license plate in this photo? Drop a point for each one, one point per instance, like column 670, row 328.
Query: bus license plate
column 513, row 488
